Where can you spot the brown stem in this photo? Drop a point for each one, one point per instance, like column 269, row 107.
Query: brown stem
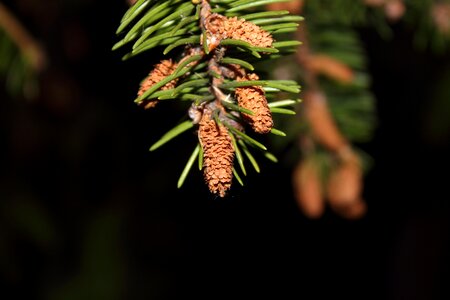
column 217, row 79
column 24, row 41
column 205, row 12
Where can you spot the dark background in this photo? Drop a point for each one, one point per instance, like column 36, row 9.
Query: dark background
column 86, row 212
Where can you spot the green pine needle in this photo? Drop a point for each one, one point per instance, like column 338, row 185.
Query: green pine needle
column 270, row 157
column 149, row 46
column 265, row 49
column 205, row 42
column 243, row 63
column 284, row 30
column 188, row 166
column 238, row 153
column 245, row 4
column 177, row 130
column 272, row 28
column 246, row 138
column 155, row 87
column 277, row 84
column 238, row 178
column 220, row 2
column 281, row 103
column 200, row 159
column 188, row 61
column 132, row 13
column 191, row 83
column 155, row 41
column 264, row 21
column 178, row 72
column 132, row 9
column 237, row 43
column 277, row 132
column 284, row 111
column 155, row 13
column 284, row 44
column 249, row 156
column 184, row 9
column 236, row 107
column 264, row 14
column 184, row 22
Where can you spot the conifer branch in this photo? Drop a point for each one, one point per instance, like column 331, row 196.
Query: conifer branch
column 214, row 68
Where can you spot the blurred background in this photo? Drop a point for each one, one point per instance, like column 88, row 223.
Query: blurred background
column 87, row 212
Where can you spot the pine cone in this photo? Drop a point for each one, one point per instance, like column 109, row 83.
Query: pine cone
column 254, row 99
column 220, row 27
column 239, row 29
column 218, row 154
column 161, row 71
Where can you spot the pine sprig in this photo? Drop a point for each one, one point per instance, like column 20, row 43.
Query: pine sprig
column 214, row 47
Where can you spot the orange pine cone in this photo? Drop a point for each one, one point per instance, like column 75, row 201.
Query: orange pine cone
column 218, row 154
column 160, row 71
column 254, row 99
column 220, row 27
column 323, row 126
column 308, row 188
column 239, row 29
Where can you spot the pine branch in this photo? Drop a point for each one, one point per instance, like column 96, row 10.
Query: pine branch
column 214, row 51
